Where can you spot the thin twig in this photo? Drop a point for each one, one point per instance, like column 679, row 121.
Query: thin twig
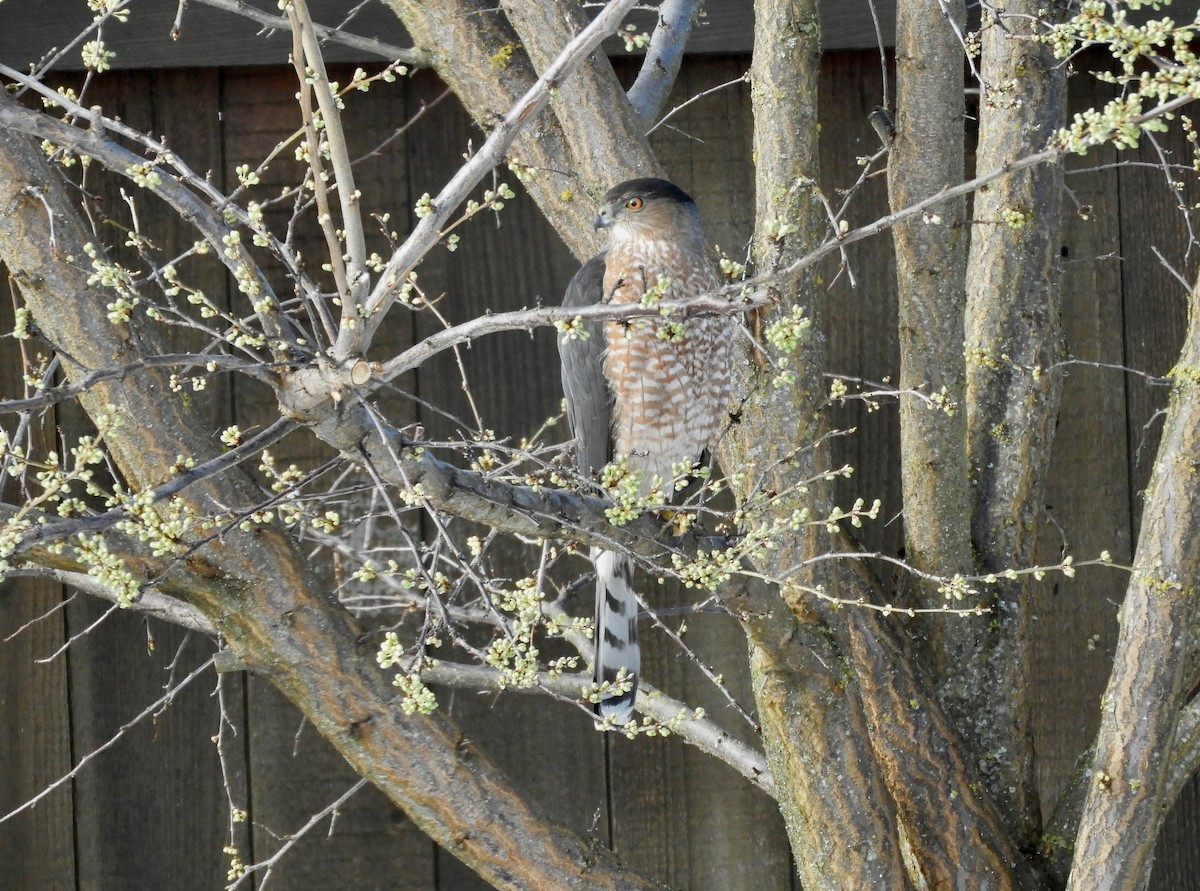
column 354, row 283
column 147, row 712
column 294, row 837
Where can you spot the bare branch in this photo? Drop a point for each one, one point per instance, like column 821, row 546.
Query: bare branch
column 152, row 603
column 526, row 319
column 55, row 395
column 663, row 58
column 745, row 78
column 269, row 863
column 702, row 733
column 1185, row 753
column 1131, row 771
column 44, row 533
column 349, row 262
column 225, row 243
column 413, row 56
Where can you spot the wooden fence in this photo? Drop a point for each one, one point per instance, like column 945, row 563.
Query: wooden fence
column 151, row 810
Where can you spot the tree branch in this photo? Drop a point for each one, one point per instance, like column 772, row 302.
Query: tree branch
column 412, row 56
column 55, row 395
column 808, row 714
column 926, row 159
column 649, row 92
column 152, row 602
column 1013, row 310
column 225, row 243
column 1185, row 752
column 347, row 253
column 702, row 733
column 1130, row 778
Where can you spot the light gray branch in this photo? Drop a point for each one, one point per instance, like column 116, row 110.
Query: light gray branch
column 151, row 603
column 354, row 253
column 699, row 732
column 649, row 92
column 740, row 300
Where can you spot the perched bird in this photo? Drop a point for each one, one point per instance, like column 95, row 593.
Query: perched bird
column 647, row 390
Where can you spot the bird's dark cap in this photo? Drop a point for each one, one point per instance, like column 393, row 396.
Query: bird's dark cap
column 648, row 188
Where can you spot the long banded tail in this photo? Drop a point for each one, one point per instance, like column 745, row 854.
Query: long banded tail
column 616, row 633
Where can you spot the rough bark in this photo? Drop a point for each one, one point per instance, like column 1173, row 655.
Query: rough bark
column 1013, row 338
column 978, row 663
column 257, row 588
column 1130, row 776
column 958, row 838
column 591, row 96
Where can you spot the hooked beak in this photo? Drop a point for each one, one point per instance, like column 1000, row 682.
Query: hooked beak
column 603, row 219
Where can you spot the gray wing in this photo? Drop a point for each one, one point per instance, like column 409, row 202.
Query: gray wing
column 589, row 399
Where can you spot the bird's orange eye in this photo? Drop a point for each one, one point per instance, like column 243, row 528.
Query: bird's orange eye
column 634, row 204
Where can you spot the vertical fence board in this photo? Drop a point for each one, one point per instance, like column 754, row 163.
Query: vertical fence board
column 696, row 817
column 1155, row 305
column 35, row 736
column 862, row 338
column 165, row 766
column 503, row 262
column 1074, row 621
column 35, row 744
column 295, row 774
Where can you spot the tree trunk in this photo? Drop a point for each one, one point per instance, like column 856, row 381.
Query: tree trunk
column 1129, row 788
column 1014, row 338
column 925, row 158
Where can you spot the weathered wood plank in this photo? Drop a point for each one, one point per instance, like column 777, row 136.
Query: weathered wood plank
column 861, row 324
column 35, row 743
column 1175, row 866
column 1155, row 306
column 123, row 665
column 151, row 810
column 35, row 735
column 1074, row 622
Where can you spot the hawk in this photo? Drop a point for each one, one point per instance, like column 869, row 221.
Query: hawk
column 648, row 391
